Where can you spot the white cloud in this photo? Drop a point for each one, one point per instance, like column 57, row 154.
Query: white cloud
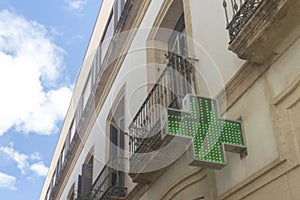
column 76, row 5
column 33, row 96
column 35, row 156
column 22, row 161
column 19, row 158
column 54, row 31
column 7, row 181
column 39, row 168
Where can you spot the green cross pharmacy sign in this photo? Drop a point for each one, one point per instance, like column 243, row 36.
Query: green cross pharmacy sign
column 211, row 136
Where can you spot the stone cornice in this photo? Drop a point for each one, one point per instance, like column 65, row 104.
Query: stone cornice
column 270, row 31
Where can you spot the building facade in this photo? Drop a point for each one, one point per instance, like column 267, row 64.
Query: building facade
column 184, row 99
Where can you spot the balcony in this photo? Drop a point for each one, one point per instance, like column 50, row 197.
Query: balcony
column 109, row 185
column 148, row 157
column 173, row 121
column 259, row 30
column 239, row 12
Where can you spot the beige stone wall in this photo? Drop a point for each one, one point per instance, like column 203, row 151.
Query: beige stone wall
column 268, row 101
column 270, row 112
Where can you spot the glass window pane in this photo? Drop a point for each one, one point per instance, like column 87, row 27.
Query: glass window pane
column 86, row 92
column 107, row 38
column 72, row 130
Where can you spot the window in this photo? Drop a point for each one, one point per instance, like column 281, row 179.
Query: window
column 110, row 28
column 118, row 8
column 109, row 33
column 85, row 180
column 177, row 42
column 54, row 178
column 63, row 155
column 48, row 194
column 72, row 130
column 58, row 166
column 116, row 151
column 67, row 143
column 86, row 92
column 98, row 60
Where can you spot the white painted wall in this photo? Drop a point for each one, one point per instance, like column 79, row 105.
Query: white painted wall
column 216, row 63
column 133, row 75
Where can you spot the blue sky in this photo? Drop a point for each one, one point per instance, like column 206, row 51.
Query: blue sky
column 42, row 45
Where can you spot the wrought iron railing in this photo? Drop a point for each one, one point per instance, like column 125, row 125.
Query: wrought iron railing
column 175, row 81
column 109, row 184
column 237, row 13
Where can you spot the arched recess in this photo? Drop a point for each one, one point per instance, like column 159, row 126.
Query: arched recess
column 90, row 156
column 71, row 194
column 192, row 186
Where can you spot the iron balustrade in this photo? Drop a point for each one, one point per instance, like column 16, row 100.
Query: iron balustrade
column 237, row 13
column 109, row 184
column 176, row 80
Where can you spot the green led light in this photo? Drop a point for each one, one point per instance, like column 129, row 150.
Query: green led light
column 207, row 130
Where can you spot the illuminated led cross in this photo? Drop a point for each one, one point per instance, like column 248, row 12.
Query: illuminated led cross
column 211, row 135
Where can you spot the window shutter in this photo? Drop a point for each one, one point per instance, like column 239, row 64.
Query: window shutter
column 85, row 183
column 79, row 186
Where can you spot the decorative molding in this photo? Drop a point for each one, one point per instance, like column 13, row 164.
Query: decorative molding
column 159, row 18
column 183, row 182
column 242, row 80
column 246, row 187
column 287, row 159
column 137, row 192
column 287, row 92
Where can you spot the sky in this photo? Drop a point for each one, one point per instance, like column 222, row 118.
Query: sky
column 42, row 45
